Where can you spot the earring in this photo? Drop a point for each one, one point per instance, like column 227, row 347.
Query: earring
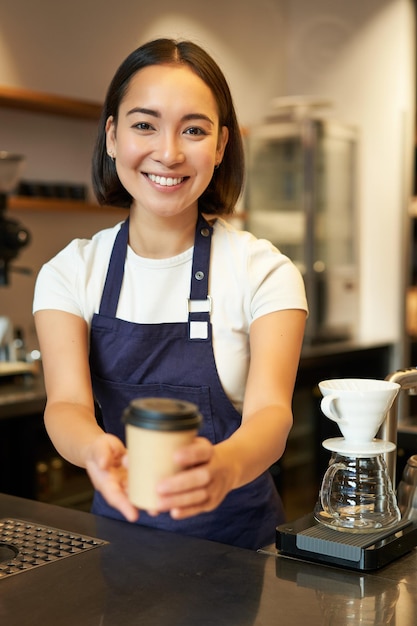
column 216, row 166
column 111, row 155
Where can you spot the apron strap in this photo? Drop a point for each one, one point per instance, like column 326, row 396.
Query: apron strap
column 199, row 303
column 115, row 271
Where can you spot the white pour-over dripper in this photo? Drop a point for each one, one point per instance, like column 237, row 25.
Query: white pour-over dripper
column 358, row 406
column 356, row 494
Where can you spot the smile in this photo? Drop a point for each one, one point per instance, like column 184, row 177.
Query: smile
column 165, row 181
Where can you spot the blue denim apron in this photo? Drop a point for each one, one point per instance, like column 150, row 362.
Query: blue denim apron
column 176, row 360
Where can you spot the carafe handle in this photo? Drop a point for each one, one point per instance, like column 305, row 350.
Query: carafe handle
column 325, row 490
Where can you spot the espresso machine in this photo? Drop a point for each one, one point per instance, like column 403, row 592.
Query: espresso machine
column 13, row 236
column 341, row 533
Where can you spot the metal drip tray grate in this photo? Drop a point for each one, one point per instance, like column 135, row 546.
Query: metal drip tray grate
column 25, row 545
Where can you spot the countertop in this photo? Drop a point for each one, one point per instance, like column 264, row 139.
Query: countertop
column 154, row 578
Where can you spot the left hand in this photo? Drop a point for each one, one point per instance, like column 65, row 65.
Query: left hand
column 106, row 466
column 200, row 486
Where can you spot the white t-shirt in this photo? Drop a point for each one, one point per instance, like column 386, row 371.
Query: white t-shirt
column 248, row 278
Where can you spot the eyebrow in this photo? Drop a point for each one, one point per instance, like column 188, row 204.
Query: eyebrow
column 185, row 118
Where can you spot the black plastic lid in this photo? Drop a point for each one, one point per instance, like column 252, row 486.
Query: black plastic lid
column 162, row 414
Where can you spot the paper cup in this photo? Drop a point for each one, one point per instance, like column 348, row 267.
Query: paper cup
column 155, row 429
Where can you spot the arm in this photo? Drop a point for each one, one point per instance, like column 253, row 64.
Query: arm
column 275, row 345
column 69, row 414
column 213, row 471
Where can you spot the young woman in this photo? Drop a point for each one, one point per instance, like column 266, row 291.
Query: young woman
column 174, row 302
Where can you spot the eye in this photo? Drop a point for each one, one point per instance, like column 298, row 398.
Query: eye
column 195, row 131
column 143, row 126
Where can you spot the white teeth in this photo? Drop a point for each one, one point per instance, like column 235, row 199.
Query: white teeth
column 165, row 182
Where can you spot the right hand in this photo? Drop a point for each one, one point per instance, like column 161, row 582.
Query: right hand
column 106, row 467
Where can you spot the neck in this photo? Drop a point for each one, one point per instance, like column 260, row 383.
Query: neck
column 158, row 237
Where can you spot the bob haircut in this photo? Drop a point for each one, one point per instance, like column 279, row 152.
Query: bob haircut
column 226, row 184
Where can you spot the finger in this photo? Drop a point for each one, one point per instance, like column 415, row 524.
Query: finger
column 200, row 451
column 178, row 512
column 180, row 483
column 186, row 504
column 121, row 503
column 112, row 486
column 114, row 494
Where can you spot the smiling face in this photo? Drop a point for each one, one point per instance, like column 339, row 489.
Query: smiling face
column 167, row 139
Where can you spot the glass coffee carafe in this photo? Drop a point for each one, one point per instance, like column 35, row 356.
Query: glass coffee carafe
column 356, row 494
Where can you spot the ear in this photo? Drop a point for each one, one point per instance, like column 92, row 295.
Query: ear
column 111, row 135
column 221, row 144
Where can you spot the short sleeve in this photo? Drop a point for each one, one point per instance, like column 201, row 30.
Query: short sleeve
column 56, row 283
column 275, row 282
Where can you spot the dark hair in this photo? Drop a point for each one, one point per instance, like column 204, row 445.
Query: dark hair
column 226, row 184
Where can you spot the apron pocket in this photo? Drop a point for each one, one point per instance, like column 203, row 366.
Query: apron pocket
column 116, row 396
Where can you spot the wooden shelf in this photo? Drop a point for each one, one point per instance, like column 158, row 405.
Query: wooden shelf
column 23, row 203
column 19, row 98
column 56, row 205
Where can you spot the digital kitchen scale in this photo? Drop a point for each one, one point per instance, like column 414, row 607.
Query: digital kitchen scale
column 308, row 540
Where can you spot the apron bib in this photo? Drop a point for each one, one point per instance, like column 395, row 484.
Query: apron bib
column 175, row 360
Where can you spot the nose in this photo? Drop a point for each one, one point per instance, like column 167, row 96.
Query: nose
column 169, row 151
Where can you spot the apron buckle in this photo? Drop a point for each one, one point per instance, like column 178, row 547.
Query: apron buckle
column 199, row 306
column 198, row 312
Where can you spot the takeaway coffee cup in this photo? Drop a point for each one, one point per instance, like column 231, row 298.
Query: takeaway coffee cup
column 155, row 429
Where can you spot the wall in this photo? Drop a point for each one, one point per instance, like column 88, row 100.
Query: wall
column 362, row 56
column 359, row 54
column 73, row 48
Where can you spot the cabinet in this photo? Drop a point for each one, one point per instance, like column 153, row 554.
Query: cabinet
column 30, row 467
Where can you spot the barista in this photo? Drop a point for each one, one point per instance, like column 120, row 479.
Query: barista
column 174, row 302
